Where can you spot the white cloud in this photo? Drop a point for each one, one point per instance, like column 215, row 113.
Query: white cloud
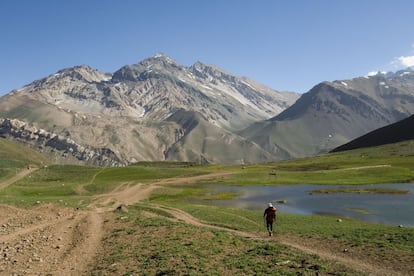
column 406, row 61
column 372, row 73
column 397, row 63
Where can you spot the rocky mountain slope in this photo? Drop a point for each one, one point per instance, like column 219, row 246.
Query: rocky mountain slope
column 156, row 109
column 333, row 113
column 397, row 132
column 56, row 147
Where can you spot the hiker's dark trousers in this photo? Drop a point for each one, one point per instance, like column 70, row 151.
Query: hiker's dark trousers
column 269, row 225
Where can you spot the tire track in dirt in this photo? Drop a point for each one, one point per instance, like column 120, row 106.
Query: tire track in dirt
column 63, row 242
column 83, row 246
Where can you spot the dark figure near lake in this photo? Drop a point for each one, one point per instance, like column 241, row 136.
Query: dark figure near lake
column 270, row 217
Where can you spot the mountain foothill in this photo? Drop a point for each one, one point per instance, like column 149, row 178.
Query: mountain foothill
column 158, row 109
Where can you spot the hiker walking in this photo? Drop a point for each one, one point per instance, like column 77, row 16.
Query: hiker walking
column 270, row 216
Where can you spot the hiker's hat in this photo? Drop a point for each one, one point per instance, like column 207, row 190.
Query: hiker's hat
column 270, row 204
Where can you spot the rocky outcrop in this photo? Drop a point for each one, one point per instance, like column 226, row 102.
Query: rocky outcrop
column 59, row 145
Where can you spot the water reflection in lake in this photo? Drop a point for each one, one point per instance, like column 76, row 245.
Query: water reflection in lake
column 392, row 209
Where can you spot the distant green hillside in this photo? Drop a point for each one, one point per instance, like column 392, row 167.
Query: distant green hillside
column 14, row 156
column 400, row 131
column 391, row 163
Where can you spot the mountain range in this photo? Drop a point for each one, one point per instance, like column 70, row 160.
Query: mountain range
column 153, row 110
column 158, row 109
column 334, row 113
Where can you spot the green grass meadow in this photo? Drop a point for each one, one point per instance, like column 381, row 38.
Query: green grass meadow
column 386, row 164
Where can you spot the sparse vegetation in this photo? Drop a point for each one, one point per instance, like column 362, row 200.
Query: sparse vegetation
column 157, row 246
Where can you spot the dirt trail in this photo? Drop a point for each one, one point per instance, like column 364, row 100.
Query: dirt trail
column 138, row 192
column 187, row 218
column 60, row 242
column 48, row 240
column 366, row 167
column 17, row 177
column 85, row 241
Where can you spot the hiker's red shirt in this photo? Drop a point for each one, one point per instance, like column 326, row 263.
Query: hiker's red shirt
column 270, row 214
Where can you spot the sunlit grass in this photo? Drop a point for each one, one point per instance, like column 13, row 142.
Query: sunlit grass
column 386, row 164
column 142, row 245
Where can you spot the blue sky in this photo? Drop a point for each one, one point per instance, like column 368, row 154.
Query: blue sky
column 286, row 45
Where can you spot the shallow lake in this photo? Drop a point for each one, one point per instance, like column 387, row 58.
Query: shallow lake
column 392, row 209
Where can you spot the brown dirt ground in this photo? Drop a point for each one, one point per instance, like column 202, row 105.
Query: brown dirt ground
column 54, row 240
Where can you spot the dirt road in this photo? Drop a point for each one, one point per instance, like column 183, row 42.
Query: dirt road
column 47, row 240
column 53, row 240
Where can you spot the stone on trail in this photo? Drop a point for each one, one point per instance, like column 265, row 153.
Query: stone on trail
column 123, row 208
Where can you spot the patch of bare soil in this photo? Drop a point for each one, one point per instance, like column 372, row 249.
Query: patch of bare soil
column 47, row 240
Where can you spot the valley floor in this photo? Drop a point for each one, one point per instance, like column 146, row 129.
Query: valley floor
column 101, row 240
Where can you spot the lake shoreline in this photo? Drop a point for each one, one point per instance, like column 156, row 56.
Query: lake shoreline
column 392, row 206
